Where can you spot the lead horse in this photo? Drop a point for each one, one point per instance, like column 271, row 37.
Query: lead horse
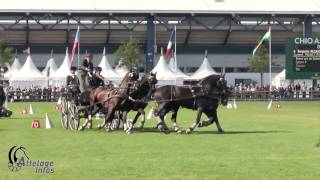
column 204, row 98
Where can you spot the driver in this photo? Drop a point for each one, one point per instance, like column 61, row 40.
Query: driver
column 73, row 81
column 85, row 73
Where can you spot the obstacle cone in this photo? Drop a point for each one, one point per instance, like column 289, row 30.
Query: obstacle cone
column 31, row 110
column 150, row 114
column 270, row 104
column 235, row 104
column 49, row 123
column 278, row 105
column 59, row 101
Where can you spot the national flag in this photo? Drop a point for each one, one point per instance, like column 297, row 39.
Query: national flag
column 169, row 47
column 265, row 37
column 26, row 51
column 75, row 44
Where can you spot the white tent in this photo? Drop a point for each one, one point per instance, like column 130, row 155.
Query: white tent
column 164, row 74
column 174, row 68
column 60, row 75
column 51, row 66
column 28, row 75
column 107, row 71
column 121, row 69
column 279, row 80
column 14, row 68
column 204, row 70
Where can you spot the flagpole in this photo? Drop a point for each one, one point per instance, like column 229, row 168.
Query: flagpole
column 79, row 49
column 270, row 86
column 175, row 54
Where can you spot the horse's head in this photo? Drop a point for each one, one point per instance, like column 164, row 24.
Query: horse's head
column 133, row 75
column 224, row 90
column 151, row 78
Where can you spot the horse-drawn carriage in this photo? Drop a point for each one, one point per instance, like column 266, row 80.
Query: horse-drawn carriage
column 73, row 107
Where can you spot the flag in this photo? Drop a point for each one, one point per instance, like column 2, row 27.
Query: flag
column 265, row 37
column 169, row 47
column 75, row 44
column 26, row 51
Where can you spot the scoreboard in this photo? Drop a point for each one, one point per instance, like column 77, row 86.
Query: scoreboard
column 303, row 58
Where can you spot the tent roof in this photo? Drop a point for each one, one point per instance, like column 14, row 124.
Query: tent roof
column 14, row 68
column 163, row 71
column 204, row 70
column 174, row 68
column 64, row 70
column 122, row 71
column 107, row 70
column 52, row 65
column 28, row 71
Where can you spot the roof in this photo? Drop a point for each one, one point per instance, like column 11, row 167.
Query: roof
column 204, row 70
column 164, row 6
column 28, row 72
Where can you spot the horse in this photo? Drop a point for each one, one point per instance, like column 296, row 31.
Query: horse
column 204, row 97
column 139, row 97
column 110, row 99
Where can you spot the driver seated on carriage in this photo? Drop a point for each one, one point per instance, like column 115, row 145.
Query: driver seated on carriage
column 73, row 82
column 85, row 73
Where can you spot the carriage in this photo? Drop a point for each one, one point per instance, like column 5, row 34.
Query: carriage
column 73, row 108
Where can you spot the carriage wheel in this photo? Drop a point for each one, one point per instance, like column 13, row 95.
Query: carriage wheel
column 74, row 118
column 64, row 113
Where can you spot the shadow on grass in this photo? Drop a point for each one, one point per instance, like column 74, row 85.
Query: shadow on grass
column 240, row 132
column 153, row 130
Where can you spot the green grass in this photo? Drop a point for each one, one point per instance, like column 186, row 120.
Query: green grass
column 257, row 144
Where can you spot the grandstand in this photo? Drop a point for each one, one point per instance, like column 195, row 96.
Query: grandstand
column 229, row 29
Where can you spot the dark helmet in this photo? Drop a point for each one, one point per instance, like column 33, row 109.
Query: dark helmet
column 73, row 68
column 98, row 69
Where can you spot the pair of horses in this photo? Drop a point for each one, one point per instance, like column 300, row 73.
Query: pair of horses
column 128, row 96
column 132, row 94
column 204, row 97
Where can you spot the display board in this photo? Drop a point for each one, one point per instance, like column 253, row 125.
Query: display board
column 303, row 58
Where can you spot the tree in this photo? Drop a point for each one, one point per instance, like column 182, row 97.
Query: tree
column 129, row 52
column 260, row 62
column 5, row 53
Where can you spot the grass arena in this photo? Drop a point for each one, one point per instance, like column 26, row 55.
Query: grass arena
column 258, row 143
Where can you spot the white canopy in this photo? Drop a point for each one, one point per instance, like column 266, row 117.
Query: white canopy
column 174, row 68
column 28, row 72
column 280, row 79
column 28, row 76
column 51, row 65
column 163, row 70
column 204, row 70
column 122, row 70
column 64, row 70
column 15, row 67
column 107, row 70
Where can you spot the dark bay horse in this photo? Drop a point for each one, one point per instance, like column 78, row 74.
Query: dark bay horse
column 110, row 99
column 204, row 97
column 139, row 97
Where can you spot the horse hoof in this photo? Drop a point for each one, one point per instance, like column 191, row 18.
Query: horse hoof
column 221, row 131
column 81, row 128
column 179, row 131
column 188, row 131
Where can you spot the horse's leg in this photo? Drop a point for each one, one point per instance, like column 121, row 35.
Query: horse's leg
column 139, row 112
column 212, row 115
column 85, row 124
column 195, row 124
column 160, row 112
column 174, row 120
